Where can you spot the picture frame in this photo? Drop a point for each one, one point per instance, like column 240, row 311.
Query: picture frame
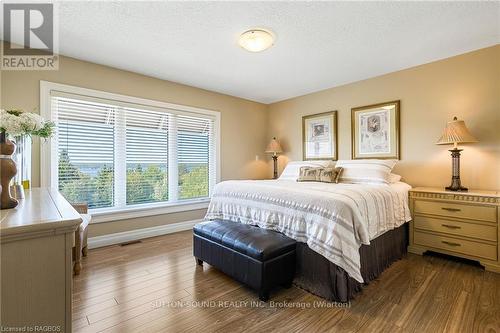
column 319, row 136
column 375, row 131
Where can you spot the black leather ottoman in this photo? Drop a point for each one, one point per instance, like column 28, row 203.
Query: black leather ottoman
column 259, row 258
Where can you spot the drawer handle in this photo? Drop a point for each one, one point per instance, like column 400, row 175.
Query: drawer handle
column 451, row 226
column 451, row 243
column 451, row 209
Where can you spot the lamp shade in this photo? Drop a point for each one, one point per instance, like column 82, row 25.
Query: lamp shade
column 274, row 147
column 456, row 132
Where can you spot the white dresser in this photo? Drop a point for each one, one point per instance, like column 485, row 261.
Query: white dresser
column 36, row 240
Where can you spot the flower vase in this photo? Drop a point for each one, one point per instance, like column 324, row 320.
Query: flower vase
column 22, row 158
column 8, row 170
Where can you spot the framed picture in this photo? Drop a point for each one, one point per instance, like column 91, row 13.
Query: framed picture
column 319, row 136
column 375, row 131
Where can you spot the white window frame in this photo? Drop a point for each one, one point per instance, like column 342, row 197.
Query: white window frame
column 48, row 152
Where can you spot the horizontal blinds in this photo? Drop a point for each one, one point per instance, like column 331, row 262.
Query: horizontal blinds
column 118, row 154
column 85, row 137
column 193, row 154
column 137, row 106
column 146, row 137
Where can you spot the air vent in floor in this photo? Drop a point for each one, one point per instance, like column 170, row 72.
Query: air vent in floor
column 130, row 243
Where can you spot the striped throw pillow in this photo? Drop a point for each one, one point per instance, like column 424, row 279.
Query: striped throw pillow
column 366, row 171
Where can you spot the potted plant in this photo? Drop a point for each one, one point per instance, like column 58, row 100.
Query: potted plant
column 16, row 124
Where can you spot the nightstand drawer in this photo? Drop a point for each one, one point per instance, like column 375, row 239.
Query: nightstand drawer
column 466, row 247
column 464, row 229
column 473, row 212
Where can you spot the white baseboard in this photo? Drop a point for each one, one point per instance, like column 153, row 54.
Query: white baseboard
column 127, row 236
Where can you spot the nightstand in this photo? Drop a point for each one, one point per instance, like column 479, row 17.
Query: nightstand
column 462, row 224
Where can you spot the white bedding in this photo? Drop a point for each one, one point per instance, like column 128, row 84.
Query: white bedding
column 333, row 219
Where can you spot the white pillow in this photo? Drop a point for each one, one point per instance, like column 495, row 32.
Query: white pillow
column 394, row 178
column 292, row 169
column 366, row 171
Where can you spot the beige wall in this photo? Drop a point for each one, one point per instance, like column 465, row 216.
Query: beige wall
column 467, row 86
column 243, row 132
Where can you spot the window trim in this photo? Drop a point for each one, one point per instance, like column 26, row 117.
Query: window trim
column 48, row 153
column 136, row 211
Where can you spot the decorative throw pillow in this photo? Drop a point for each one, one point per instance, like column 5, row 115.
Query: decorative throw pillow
column 325, row 175
column 309, row 174
column 339, row 174
column 292, row 169
column 330, row 175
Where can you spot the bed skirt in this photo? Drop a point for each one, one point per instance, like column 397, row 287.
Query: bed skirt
column 321, row 277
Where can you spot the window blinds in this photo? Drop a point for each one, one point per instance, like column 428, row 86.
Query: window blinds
column 85, row 145
column 115, row 154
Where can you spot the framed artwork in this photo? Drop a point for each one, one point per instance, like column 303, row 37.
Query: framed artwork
column 375, row 131
column 319, row 136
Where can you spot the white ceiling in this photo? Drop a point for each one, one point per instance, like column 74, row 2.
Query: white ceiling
column 319, row 44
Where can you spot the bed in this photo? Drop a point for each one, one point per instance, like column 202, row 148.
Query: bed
column 347, row 233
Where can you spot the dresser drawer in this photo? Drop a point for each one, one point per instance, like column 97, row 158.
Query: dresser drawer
column 486, row 232
column 480, row 213
column 470, row 248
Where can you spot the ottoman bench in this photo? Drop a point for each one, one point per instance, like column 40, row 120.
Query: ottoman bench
column 259, row 258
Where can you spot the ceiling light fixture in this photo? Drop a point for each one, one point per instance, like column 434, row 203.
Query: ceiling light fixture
column 256, row 40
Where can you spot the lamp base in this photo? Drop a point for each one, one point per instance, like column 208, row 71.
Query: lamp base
column 455, row 189
column 275, row 165
column 456, row 185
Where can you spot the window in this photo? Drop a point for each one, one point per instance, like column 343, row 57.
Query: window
column 117, row 154
column 85, row 136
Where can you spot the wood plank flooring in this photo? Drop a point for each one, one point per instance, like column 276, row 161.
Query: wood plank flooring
column 155, row 286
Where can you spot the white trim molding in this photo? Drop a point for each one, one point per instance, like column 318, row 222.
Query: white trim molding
column 132, row 235
column 138, row 212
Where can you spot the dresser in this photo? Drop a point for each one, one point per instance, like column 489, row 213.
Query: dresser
column 36, row 240
column 462, row 224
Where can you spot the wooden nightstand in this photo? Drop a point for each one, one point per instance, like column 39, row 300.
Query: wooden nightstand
column 463, row 224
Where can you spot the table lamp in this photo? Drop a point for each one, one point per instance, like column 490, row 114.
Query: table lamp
column 454, row 133
column 274, row 147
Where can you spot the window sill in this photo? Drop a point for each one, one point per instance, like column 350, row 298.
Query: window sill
column 138, row 212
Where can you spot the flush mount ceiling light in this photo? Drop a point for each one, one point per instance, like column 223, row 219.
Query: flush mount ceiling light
column 256, row 40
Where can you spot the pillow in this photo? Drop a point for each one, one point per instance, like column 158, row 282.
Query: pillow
column 325, row 175
column 292, row 169
column 366, row 171
column 309, row 174
column 330, row 175
column 393, row 178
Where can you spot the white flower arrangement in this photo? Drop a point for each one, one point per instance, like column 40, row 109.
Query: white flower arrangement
column 17, row 123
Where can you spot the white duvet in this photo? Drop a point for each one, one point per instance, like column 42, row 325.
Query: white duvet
column 333, row 219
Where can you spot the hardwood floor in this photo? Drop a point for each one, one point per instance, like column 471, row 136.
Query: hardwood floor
column 155, row 286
